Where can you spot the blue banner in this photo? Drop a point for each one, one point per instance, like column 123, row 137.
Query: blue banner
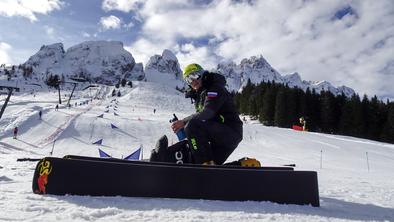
column 135, row 155
column 98, row 142
column 103, row 154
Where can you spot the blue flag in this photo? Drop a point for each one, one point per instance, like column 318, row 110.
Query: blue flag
column 134, row 156
column 103, row 154
column 98, row 142
column 113, row 126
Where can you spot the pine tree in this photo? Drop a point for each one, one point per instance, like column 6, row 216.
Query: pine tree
column 358, row 119
column 268, row 110
column 327, row 112
column 292, row 106
column 387, row 134
column 280, row 108
column 374, row 119
column 346, row 120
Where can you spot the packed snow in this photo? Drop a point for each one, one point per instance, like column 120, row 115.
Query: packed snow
column 356, row 179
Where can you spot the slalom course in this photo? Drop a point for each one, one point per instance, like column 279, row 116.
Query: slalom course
column 77, row 175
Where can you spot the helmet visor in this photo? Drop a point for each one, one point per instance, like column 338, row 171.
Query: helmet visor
column 192, row 76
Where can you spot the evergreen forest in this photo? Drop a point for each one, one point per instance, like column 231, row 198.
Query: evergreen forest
column 279, row 105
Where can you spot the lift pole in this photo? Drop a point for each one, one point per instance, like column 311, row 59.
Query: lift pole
column 10, row 89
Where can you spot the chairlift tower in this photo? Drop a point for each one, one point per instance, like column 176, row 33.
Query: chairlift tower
column 10, row 89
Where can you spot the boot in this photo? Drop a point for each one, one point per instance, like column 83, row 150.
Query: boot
column 159, row 152
column 161, row 144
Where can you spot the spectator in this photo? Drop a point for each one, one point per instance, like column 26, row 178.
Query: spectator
column 15, row 132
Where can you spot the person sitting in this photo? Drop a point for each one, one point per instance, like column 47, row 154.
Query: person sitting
column 215, row 130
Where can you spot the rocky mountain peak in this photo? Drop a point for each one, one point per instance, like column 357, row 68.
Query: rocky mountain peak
column 100, row 61
column 165, row 63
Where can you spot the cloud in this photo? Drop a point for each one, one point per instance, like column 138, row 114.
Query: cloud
column 85, row 35
column 28, row 9
column 343, row 42
column 110, row 22
column 4, row 53
column 50, row 31
column 121, row 5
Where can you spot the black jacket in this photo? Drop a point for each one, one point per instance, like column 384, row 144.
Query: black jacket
column 214, row 103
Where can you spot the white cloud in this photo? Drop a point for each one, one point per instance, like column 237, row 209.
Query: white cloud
column 129, row 25
column 28, row 8
column 142, row 49
column 86, row 35
column 121, row 5
column 293, row 35
column 4, row 53
column 110, row 22
column 50, row 31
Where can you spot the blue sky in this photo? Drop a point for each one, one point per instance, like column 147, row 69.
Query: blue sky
column 342, row 41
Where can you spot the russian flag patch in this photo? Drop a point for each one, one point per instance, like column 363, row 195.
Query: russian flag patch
column 212, row 95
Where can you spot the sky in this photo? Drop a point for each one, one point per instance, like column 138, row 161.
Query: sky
column 342, row 41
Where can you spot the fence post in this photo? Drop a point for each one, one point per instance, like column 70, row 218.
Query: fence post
column 321, row 159
column 366, row 153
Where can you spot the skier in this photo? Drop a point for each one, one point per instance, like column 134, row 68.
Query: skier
column 15, row 132
column 40, row 114
column 57, row 107
column 215, row 130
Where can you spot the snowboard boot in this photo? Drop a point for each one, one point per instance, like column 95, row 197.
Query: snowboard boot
column 160, row 152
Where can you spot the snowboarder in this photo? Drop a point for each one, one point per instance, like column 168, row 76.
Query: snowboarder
column 15, row 132
column 215, row 130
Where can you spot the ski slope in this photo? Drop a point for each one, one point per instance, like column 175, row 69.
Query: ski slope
column 351, row 187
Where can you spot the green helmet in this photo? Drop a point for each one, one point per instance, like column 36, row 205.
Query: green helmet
column 192, row 68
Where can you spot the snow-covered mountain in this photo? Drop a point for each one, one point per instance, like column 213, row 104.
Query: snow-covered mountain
column 100, row 61
column 257, row 69
column 164, row 68
column 107, row 62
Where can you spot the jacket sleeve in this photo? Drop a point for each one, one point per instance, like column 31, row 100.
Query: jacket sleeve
column 213, row 102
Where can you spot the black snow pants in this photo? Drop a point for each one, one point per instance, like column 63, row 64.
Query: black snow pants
column 210, row 140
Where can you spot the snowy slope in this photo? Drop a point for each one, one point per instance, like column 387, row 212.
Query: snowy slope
column 348, row 191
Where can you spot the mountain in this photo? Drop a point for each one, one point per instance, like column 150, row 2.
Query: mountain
column 99, row 61
column 257, row 69
column 108, row 62
column 164, row 68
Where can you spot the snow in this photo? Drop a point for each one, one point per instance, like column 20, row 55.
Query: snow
column 348, row 190
column 257, row 70
column 106, row 60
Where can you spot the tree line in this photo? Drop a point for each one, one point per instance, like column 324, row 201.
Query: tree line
column 279, row 105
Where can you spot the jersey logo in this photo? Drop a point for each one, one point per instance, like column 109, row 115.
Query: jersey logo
column 212, row 95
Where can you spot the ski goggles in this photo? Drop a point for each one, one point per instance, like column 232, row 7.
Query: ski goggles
column 192, row 76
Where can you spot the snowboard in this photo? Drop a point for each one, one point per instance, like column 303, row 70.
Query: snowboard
column 76, row 175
